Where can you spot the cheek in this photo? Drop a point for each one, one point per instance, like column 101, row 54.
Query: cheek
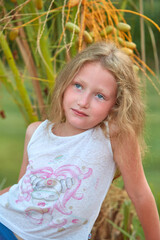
column 67, row 97
column 64, row 101
column 105, row 109
column 112, row 104
column 63, row 104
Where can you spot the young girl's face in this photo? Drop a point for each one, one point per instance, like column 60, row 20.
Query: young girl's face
column 89, row 98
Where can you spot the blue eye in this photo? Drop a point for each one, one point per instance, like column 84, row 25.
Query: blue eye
column 100, row 96
column 78, row 86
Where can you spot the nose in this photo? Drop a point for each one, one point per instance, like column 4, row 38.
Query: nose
column 84, row 101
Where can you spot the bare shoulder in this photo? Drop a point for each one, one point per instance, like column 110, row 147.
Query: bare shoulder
column 120, row 140
column 125, row 146
column 31, row 128
column 113, row 131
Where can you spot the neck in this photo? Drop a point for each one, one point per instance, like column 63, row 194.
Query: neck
column 64, row 131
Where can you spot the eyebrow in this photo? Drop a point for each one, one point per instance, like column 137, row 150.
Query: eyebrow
column 79, row 79
column 98, row 90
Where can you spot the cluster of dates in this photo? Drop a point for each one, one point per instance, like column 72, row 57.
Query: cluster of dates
column 127, row 46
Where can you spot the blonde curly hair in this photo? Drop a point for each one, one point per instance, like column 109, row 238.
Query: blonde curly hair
column 128, row 112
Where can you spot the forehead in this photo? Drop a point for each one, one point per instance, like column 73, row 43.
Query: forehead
column 94, row 67
column 96, row 76
column 95, row 70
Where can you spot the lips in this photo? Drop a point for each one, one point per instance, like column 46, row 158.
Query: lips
column 79, row 113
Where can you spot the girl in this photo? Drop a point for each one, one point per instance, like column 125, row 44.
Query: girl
column 95, row 124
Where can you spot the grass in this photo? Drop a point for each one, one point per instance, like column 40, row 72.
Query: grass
column 152, row 159
column 12, row 133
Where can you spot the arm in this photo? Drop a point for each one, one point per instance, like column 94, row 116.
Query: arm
column 129, row 162
column 4, row 190
column 29, row 132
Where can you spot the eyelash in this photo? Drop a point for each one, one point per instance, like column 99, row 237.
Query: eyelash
column 100, row 96
column 78, row 86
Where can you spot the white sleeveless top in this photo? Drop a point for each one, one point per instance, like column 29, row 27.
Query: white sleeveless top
column 65, row 183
